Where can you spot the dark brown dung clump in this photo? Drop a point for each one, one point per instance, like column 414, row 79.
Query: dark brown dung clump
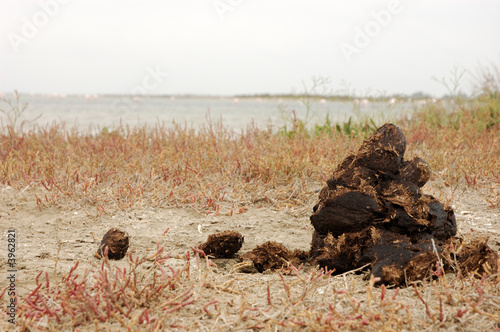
column 373, row 212
column 272, row 256
column 117, row 243
column 223, row 244
column 472, row 257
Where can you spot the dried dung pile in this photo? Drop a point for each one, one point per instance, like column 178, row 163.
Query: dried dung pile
column 223, row 245
column 117, row 243
column 273, row 255
column 373, row 211
column 267, row 256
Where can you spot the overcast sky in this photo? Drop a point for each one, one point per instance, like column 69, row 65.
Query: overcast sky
column 226, row 47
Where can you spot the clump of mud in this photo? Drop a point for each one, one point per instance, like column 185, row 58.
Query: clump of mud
column 373, row 212
column 223, row 245
column 117, row 243
column 273, row 256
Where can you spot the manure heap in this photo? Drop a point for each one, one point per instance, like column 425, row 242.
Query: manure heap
column 373, row 211
column 373, row 214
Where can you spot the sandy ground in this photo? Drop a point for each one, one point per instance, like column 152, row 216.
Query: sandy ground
column 71, row 235
column 66, row 235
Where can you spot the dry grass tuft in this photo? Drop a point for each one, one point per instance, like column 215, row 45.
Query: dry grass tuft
column 151, row 295
column 212, row 170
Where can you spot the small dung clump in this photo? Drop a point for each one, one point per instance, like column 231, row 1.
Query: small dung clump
column 223, row 245
column 473, row 257
column 373, row 211
column 273, row 256
column 117, row 243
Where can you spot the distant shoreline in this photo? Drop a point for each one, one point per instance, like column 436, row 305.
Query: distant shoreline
column 265, row 96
